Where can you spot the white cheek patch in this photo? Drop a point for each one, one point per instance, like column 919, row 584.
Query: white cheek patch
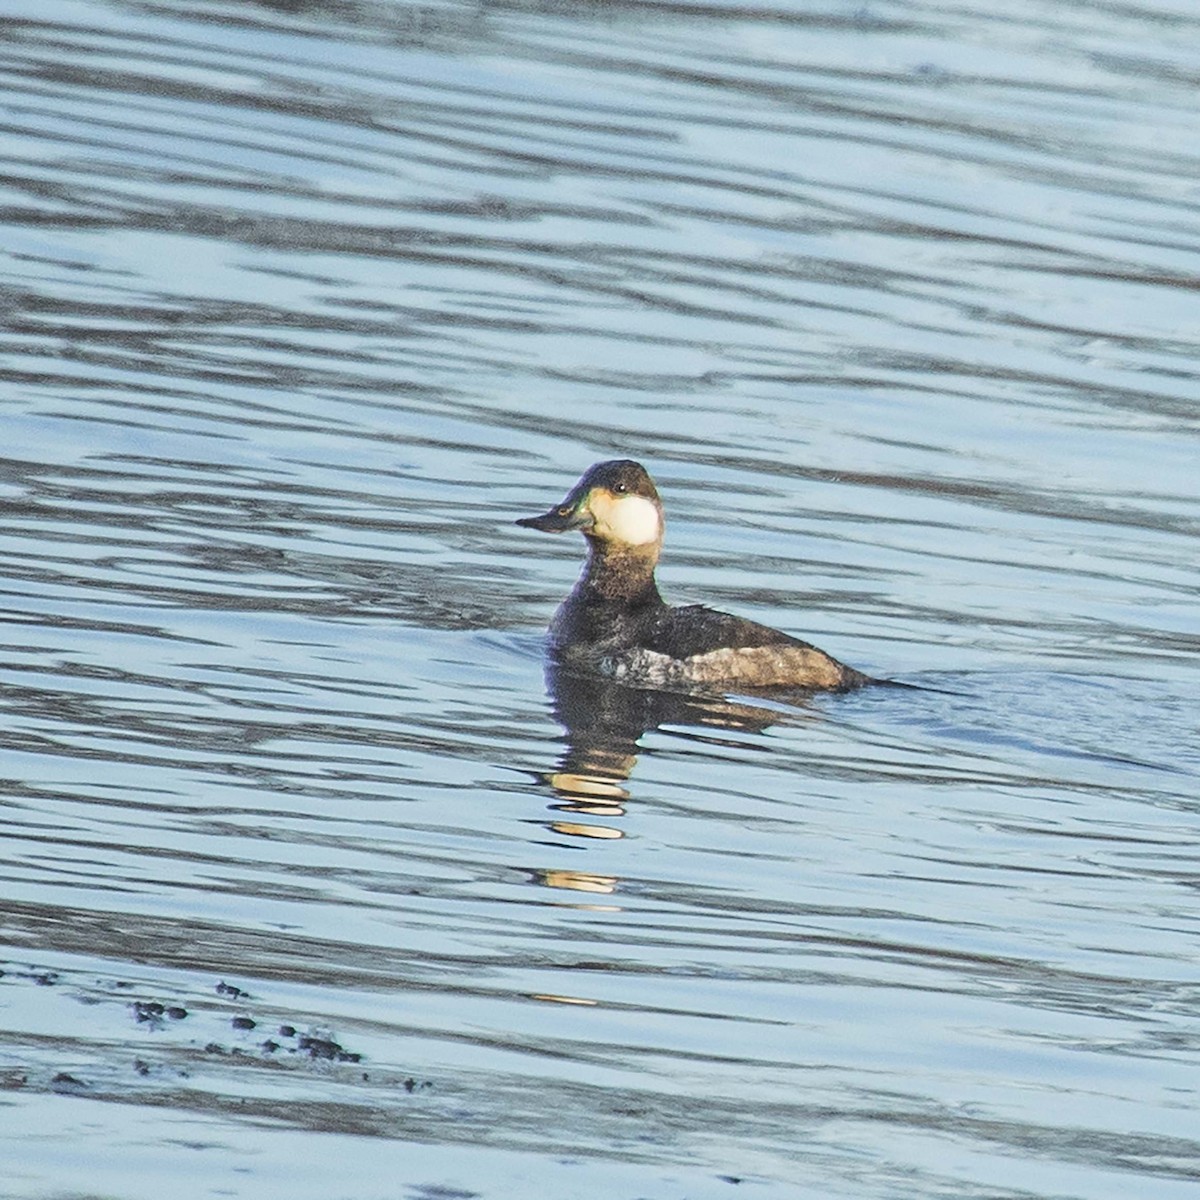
column 633, row 520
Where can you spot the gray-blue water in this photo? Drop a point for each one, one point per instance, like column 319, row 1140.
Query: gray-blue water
column 310, row 887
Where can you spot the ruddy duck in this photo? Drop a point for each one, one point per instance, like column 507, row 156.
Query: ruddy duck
column 615, row 623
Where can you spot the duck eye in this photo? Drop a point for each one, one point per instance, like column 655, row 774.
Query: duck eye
column 620, row 488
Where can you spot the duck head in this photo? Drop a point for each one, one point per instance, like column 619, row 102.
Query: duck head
column 615, row 504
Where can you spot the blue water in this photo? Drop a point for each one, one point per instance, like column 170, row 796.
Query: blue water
column 314, row 885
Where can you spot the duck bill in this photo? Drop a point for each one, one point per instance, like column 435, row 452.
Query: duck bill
column 557, row 520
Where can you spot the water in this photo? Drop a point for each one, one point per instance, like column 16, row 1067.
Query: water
column 303, row 305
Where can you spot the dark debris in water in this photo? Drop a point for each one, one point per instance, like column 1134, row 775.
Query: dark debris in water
column 41, row 978
column 327, row 1048
column 315, row 1045
column 156, row 1014
column 288, row 1039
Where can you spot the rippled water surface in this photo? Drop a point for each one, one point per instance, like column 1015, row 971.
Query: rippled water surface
column 313, row 884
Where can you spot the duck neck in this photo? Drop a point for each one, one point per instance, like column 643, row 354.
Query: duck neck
column 621, row 574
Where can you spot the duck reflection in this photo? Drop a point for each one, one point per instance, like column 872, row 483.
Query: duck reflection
column 605, row 722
